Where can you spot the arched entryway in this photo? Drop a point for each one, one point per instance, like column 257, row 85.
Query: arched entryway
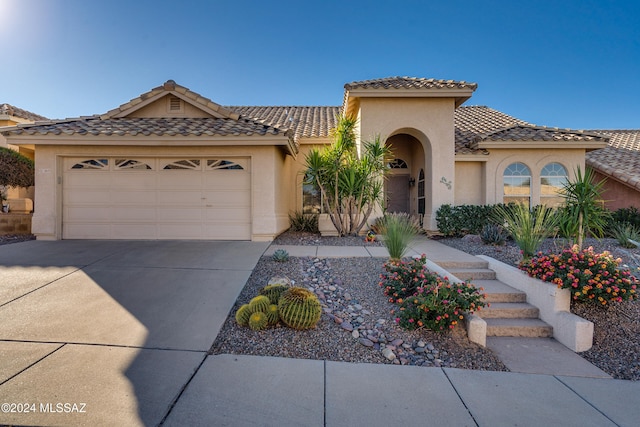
column 406, row 176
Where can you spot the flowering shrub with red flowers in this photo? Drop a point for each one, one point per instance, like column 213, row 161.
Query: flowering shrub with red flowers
column 590, row 276
column 425, row 299
column 439, row 306
column 402, row 278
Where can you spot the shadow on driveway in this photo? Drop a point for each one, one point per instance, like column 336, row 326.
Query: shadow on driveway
column 111, row 330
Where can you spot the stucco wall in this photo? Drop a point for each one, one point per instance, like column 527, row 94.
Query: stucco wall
column 618, row 195
column 431, row 122
column 536, row 159
column 469, row 183
column 160, row 108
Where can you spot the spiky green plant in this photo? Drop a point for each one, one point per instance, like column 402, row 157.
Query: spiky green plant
column 258, row 321
column 626, row 234
column 584, row 206
column 259, row 303
column 398, row 229
column 280, row 255
column 528, row 227
column 273, row 292
column 243, row 314
column 299, row 308
column 272, row 314
column 492, row 234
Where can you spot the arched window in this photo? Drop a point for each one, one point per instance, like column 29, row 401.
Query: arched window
column 552, row 178
column 517, row 183
column 398, row 164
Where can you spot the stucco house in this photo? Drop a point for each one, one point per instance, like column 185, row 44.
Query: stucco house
column 172, row 164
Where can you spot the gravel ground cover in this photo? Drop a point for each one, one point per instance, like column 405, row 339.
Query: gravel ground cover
column 15, row 238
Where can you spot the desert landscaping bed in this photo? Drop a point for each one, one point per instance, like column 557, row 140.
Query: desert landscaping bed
column 354, row 302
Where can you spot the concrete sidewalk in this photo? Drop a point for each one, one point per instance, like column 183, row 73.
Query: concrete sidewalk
column 238, row 390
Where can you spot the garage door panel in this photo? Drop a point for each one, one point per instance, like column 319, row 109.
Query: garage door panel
column 86, row 197
column 87, row 231
column 135, row 197
column 133, row 231
column 179, row 214
column 117, row 203
column 90, row 179
column 133, row 213
column 88, row 213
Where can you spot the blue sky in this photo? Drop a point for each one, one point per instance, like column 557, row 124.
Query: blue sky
column 563, row 63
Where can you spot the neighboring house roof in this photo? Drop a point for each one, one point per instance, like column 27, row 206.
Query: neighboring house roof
column 621, row 159
column 10, row 110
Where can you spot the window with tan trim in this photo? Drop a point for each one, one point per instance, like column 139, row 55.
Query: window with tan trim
column 553, row 178
column 517, row 183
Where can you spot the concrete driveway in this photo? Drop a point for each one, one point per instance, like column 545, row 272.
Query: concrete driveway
column 110, row 332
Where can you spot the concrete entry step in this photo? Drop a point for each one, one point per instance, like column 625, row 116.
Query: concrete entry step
column 477, row 263
column 496, row 291
column 501, row 327
column 510, row 310
column 473, row 274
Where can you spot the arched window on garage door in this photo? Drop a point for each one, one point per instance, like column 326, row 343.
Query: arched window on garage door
column 517, row 183
column 553, row 177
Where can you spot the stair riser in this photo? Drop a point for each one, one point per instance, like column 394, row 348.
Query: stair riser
column 493, row 298
column 474, row 275
column 520, row 331
column 491, row 313
column 447, row 265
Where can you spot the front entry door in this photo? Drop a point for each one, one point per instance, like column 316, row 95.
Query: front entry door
column 398, row 193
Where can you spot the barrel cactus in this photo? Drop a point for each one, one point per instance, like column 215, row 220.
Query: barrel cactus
column 242, row 315
column 259, row 303
column 273, row 292
column 272, row 314
column 258, row 321
column 299, row 308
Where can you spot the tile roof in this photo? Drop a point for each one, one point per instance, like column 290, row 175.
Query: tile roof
column 149, row 126
column 10, row 110
column 305, row 122
column 621, row 159
column 473, row 120
column 409, row 83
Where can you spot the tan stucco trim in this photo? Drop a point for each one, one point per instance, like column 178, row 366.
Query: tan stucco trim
column 591, row 145
column 472, row 158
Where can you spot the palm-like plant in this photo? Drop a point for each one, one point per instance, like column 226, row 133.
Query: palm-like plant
column 584, row 211
column 351, row 185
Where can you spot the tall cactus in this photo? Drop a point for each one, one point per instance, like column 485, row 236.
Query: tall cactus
column 299, row 308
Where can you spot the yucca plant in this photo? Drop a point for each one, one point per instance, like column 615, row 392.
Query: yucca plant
column 528, row 227
column 351, row 183
column 398, row 230
column 584, row 209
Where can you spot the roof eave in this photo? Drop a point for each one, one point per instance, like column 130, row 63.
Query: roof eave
column 524, row 143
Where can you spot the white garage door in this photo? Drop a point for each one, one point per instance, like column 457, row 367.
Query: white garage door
column 156, row 198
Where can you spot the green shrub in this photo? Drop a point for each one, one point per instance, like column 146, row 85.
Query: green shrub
column 398, row 229
column 588, row 275
column 624, row 232
column 300, row 221
column 457, row 221
column 630, row 215
column 493, row 234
